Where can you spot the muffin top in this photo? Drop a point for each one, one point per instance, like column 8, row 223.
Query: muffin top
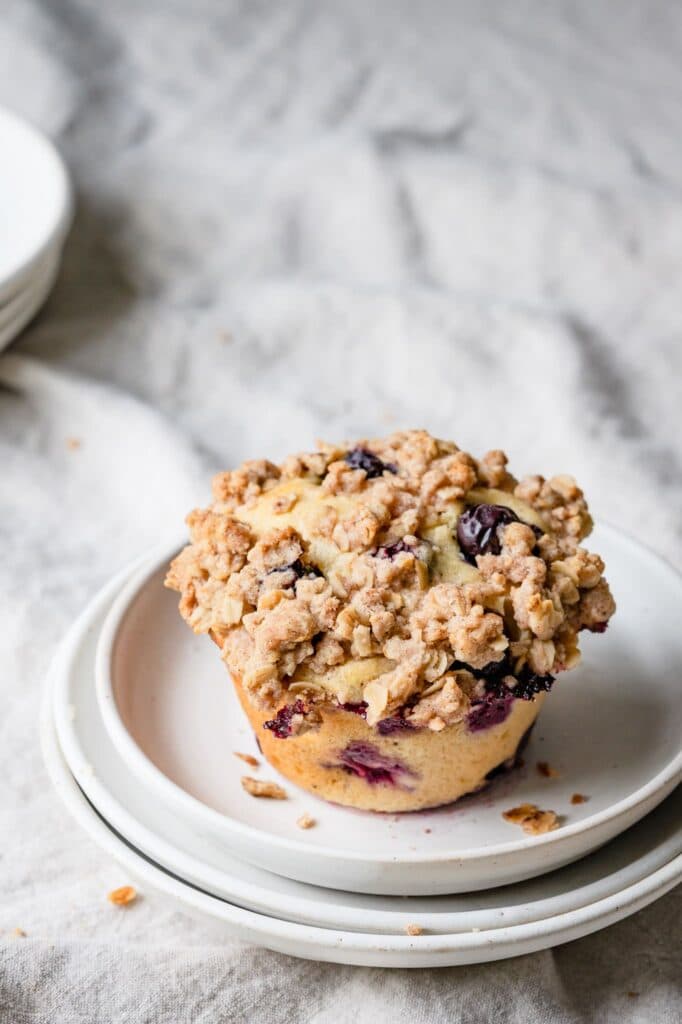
column 399, row 577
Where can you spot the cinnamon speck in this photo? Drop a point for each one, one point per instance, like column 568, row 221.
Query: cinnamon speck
column 546, row 770
column 263, row 788
column 414, row 929
column 247, row 758
column 123, row 896
column 305, row 821
column 633, row 995
column 579, row 798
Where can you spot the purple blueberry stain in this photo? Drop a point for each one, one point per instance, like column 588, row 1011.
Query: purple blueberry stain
column 392, row 550
column 297, row 570
column 281, row 725
column 477, row 529
column 355, row 707
column 491, row 710
column 362, row 458
column 367, row 762
column 393, row 724
column 527, row 683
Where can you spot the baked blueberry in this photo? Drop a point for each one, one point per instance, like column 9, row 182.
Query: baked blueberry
column 477, row 529
column 362, row 458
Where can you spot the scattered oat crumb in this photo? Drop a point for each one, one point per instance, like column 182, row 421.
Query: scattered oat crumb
column 579, row 798
column 263, row 787
column 73, row 443
column 20, row 933
column 632, row 995
column 414, row 929
column 123, row 896
column 305, row 821
column 531, row 819
column 546, row 770
column 248, row 758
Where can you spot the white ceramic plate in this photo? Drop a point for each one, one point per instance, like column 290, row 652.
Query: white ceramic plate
column 612, row 729
column 28, row 308
column 25, row 303
column 156, row 832
column 354, row 947
column 35, row 201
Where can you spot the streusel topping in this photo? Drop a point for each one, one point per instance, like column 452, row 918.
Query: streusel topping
column 398, row 575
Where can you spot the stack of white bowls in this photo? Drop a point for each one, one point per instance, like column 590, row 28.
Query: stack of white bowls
column 36, row 208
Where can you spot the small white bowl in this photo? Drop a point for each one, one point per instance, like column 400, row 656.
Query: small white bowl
column 612, row 729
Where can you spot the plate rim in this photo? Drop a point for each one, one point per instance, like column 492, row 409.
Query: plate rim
column 144, row 768
column 387, row 950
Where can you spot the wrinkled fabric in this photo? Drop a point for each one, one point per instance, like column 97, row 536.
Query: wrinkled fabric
column 332, row 220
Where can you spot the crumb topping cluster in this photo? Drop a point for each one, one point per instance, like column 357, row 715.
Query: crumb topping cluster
column 391, row 574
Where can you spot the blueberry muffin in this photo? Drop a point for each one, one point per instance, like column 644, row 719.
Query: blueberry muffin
column 392, row 612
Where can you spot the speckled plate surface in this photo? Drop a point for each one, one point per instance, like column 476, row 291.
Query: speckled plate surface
column 611, row 729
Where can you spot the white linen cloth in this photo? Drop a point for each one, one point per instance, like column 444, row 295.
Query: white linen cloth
column 333, row 219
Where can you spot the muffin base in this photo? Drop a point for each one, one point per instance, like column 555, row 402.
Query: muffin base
column 417, row 768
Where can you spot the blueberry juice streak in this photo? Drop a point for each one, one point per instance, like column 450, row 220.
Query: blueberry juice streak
column 491, row 710
column 367, row 762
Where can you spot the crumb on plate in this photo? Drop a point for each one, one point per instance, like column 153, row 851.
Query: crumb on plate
column 545, row 769
column 123, row 896
column 579, row 798
column 73, row 443
column 248, row 759
column 306, row 821
column 20, row 933
column 414, row 929
column 531, row 819
column 263, row 788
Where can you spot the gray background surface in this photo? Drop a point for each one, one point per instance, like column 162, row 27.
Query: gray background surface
column 305, row 219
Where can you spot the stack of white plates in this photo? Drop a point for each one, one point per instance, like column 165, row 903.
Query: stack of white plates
column 140, row 731
column 35, row 213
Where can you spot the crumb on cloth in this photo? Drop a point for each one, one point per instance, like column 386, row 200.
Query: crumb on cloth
column 531, row 819
column 263, row 788
column 123, row 896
